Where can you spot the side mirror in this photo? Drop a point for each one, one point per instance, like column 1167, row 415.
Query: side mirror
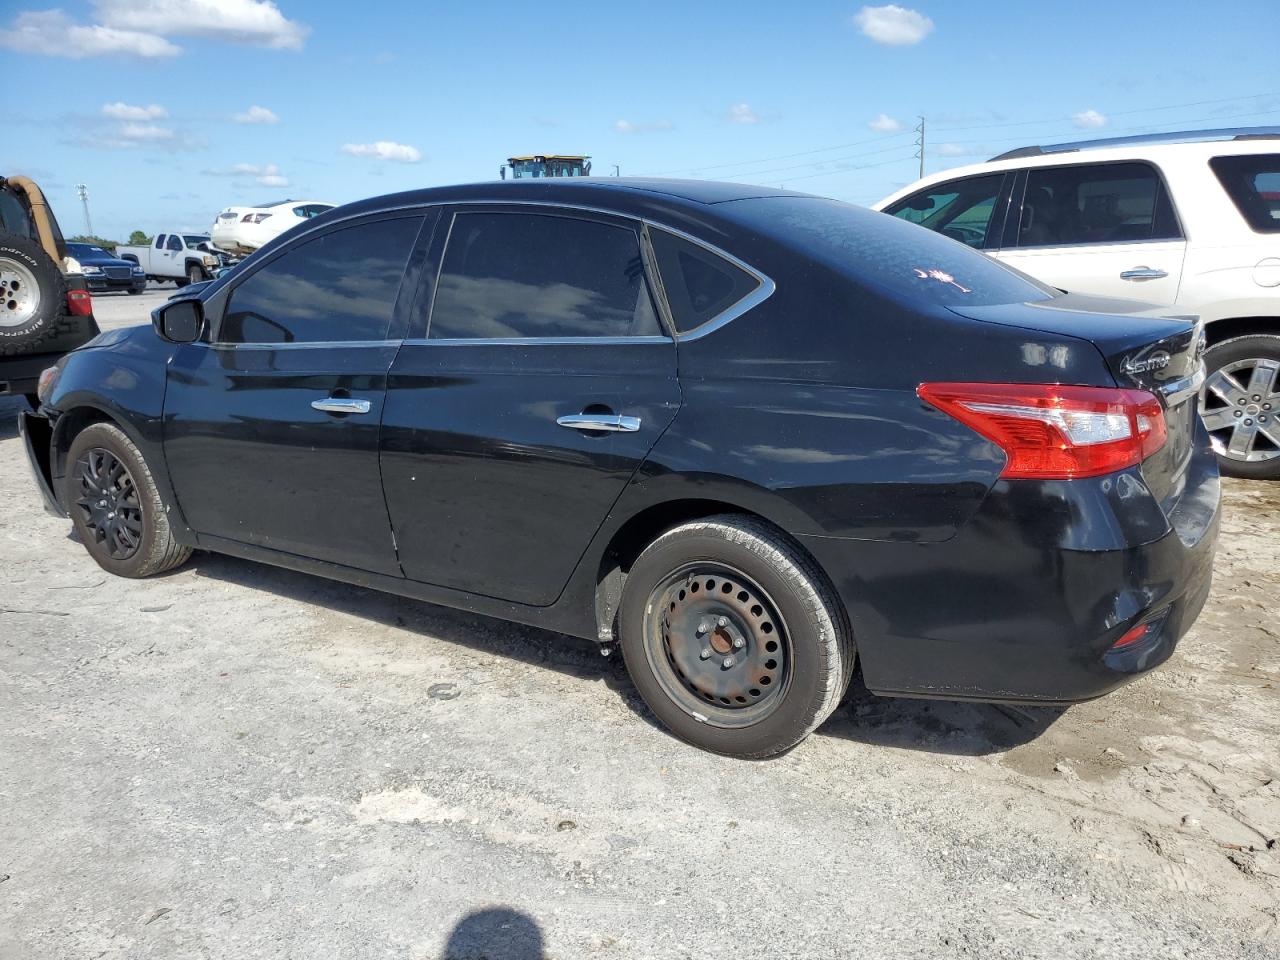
column 180, row 322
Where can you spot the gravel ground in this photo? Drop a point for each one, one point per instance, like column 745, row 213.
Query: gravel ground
column 239, row 761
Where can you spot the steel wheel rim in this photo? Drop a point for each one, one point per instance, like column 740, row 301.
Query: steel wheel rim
column 19, row 293
column 107, row 499
column 693, row 626
column 1240, row 406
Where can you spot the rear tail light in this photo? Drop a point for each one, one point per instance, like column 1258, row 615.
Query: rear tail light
column 1056, row 432
column 254, row 217
column 79, row 303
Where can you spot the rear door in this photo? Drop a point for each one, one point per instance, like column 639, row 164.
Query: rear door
column 1105, row 229
column 271, row 430
column 538, row 378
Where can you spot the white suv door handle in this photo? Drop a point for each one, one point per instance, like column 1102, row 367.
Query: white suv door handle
column 610, row 422
column 341, row 405
column 1144, row 273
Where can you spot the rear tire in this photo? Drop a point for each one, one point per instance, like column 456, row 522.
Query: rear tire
column 116, row 507
column 33, row 295
column 1243, row 377
column 734, row 637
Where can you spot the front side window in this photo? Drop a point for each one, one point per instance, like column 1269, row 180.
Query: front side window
column 508, row 275
column 1253, row 183
column 959, row 209
column 175, row 242
column 1095, row 204
column 700, row 285
column 338, row 287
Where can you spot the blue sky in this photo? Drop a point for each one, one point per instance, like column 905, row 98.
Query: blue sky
column 170, row 110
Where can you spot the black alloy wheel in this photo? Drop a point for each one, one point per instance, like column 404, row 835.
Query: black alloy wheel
column 717, row 644
column 107, row 498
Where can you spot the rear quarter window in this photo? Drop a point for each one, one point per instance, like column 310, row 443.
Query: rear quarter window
column 1253, row 184
column 700, row 284
column 909, row 262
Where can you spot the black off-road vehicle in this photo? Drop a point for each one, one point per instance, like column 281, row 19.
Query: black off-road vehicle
column 44, row 312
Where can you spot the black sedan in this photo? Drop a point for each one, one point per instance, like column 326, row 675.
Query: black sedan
column 104, row 271
column 743, row 434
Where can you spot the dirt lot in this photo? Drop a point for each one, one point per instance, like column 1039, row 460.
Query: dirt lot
column 237, row 761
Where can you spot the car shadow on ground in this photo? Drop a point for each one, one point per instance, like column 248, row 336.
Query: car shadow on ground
column 934, row 726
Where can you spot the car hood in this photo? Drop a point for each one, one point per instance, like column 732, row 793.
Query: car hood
column 95, row 261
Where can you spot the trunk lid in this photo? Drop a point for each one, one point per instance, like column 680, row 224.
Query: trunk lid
column 1145, row 347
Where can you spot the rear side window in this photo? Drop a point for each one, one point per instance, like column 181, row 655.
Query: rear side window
column 517, row 275
column 700, row 285
column 1253, row 184
column 1095, row 204
column 339, row 287
column 959, row 209
column 887, row 253
column 13, row 215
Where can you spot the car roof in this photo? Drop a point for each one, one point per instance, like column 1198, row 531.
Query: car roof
column 622, row 193
column 1260, row 140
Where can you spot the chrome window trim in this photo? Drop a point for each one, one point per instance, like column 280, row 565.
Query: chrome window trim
column 762, row 292
column 299, row 344
column 518, row 341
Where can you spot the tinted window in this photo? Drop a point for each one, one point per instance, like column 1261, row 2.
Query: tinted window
column 1101, row 203
column 175, row 242
column 535, row 275
column 160, row 241
column 1253, row 183
column 13, row 215
column 885, row 252
column 338, row 287
column 959, row 209
column 699, row 284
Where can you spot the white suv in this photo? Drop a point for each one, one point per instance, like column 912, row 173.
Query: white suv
column 1189, row 221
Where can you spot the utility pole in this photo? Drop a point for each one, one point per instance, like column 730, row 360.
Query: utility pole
column 920, row 145
column 617, row 170
column 82, row 192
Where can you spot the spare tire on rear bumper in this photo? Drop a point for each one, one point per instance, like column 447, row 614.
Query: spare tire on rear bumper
column 33, row 295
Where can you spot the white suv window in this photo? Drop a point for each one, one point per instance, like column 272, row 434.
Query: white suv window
column 1095, row 204
column 959, row 209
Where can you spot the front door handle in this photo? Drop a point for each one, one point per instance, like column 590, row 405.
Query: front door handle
column 610, row 422
column 1143, row 273
column 341, row 405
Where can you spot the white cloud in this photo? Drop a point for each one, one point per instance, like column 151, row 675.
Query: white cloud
column 958, row 150
column 256, row 114
column 255, row 22
column 885, row 124
column 742, row 113
column 124, row 111
column 144, row 132
column 52, row 33
column 384, row 150
column 647, row 126
column 894, row 25
column 1089, row 120
column 266, row 175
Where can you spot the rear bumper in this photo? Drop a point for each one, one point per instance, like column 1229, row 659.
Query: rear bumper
column 1025, row 602
column 20, row 374
column 36, row 432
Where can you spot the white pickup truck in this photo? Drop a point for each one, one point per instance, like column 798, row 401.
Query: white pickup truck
column 181, row 257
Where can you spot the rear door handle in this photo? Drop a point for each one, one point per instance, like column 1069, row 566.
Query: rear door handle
column 341, row 405
column 1143, row 273
column 611, row 422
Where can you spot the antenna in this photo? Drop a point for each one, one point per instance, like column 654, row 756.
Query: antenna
column 920, row 145
column 82, row 192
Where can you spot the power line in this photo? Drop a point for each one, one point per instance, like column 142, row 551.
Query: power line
column 1114, row 113
column 785, row 156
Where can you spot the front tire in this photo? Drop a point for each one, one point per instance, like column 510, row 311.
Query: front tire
column 1241, row 405
column 734, row 637
column 195, row 274
column 116, row 507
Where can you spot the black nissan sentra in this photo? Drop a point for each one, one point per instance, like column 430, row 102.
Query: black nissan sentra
column 750, row 436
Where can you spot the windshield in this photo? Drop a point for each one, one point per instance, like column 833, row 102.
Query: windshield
column 882, row 251
column 195, row 241
column 79, row 250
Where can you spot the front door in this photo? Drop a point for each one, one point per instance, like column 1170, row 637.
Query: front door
column 1106, row 229
column 528, row 399
column 271, row 430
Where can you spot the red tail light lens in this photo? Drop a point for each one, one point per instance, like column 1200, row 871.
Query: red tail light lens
column 1056, row 432
column 79, row 303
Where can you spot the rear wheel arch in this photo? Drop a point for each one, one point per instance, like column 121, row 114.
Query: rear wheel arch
column 644, row 527
column 1228, row 328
